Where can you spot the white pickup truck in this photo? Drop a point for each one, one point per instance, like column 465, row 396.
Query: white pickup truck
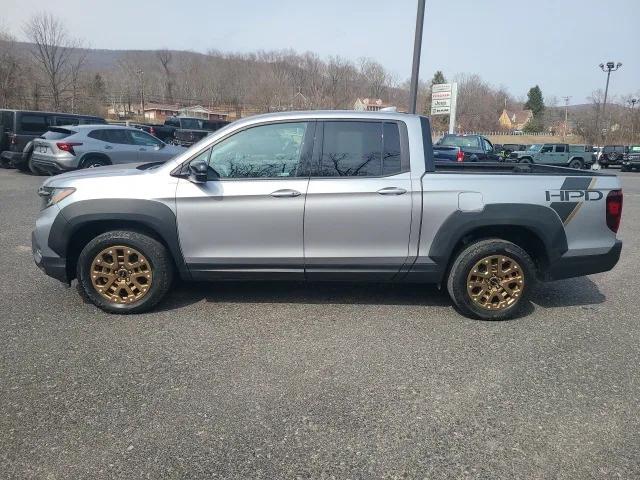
column 326, row 196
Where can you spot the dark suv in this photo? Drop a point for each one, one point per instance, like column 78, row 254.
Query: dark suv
column 612, row 155
column 19, row 127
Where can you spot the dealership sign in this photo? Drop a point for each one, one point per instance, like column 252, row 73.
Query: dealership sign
column 444, row 97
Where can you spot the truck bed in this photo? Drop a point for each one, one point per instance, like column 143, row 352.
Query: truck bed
column 506, row 168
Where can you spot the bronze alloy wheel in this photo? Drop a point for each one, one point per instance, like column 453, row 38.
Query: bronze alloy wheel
column 121, row 274
column 495, row 282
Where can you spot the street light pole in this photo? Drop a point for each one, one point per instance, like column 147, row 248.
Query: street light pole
column 609, row 67
column 417, row 47
column 566, row 117
column 141, row 76
column 633, row 102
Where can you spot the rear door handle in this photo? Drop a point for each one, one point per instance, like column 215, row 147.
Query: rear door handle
column 287, row 192
column 392, row 191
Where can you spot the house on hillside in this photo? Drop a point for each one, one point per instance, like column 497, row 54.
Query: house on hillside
column 369, row 104
column 515, row 120
column 158, row 112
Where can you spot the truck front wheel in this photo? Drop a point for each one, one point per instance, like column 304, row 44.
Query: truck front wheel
column 124, row 272
column 491, row 279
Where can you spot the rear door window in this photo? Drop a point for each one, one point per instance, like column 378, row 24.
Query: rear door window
column 392, row 153
column 61, row 121
column 351, row 149
column 560, row 149
column 6, row 120
column 31, row 123
column 121, row 137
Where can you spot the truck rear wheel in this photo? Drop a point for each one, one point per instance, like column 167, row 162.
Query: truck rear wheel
column 491, row 279
column 124, row 272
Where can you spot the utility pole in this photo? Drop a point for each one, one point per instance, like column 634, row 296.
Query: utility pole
column 141, row 77
column 566, row 117
column 417, row 46
column 633, row 102
column 609, row 67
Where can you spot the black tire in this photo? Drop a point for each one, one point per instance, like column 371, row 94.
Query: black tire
column 156, row 254
column 467, row 260
column 24, row 165
column 526, row 161
column 94, row 162
column 576, row 163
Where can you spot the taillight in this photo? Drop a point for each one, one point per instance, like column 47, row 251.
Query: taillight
column 614, row 209
column 67, row 146
column 152, row 131
column 460, row 155
column 13, row 138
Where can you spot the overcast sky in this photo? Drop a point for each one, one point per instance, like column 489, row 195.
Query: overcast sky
column 557, row 44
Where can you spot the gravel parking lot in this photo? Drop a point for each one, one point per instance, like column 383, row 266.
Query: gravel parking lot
column 319, row 381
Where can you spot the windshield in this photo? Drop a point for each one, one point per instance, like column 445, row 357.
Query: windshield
column 453, row 141
column 634, row 148
column 534, row 148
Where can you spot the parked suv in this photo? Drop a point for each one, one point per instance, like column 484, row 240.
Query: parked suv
column 19, row 127
column 631, row 159
column 560, row 154
column 612, row 155
column 326, row 196
column 87, row 146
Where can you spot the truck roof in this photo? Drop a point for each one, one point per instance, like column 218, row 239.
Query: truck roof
column 319, row 114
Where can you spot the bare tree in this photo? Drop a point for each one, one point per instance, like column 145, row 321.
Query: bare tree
column 76, row 65
column 52, row 50
column 165, row 57
column 9, row 70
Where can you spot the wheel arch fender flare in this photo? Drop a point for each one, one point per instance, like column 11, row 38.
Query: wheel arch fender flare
column 542, row 221
column 150, row 216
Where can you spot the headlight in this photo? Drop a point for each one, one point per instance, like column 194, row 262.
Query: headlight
column 52, row 195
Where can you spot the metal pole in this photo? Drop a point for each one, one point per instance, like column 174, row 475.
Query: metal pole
column 604, row 105
column 566, row 117
column 417, row 46
column 453, row 107
column 633, row 104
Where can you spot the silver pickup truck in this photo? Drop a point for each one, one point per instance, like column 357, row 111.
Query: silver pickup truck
column 326, row 196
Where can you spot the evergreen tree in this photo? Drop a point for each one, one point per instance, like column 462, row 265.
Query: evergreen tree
column 535, row 102
column 438, row 77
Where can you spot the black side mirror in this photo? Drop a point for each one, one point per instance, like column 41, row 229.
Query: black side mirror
column 198, row 171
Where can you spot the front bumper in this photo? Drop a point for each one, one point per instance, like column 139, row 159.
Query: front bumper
column 54, row 266
column 579, row 265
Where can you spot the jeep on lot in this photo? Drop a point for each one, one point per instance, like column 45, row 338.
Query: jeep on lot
column 560, row 154
column 612, row 155
column 326, row 196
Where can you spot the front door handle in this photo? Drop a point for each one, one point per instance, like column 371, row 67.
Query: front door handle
column 392, row 191
column 108, row 147
column 287, row 192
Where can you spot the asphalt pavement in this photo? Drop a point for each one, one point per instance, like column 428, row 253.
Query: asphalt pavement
column 282, row 380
